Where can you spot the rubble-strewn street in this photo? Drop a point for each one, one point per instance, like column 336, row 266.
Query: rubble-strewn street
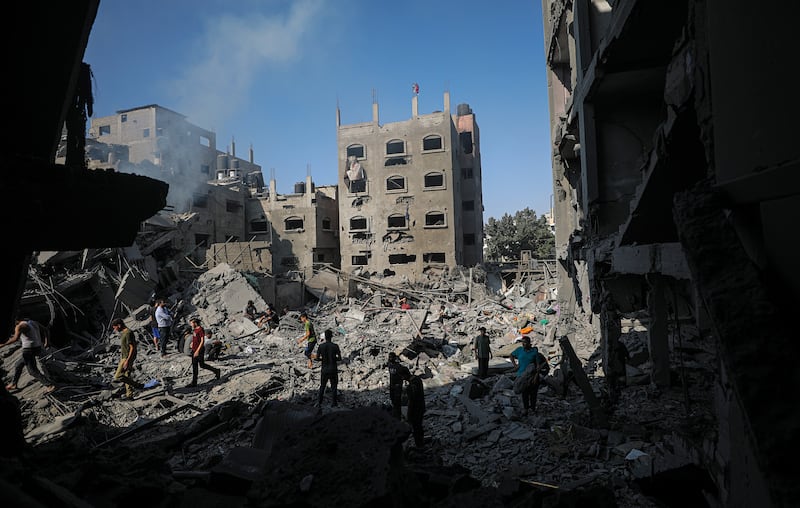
column 255, row 438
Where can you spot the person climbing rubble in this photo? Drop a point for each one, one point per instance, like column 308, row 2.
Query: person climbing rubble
column 127, row 349
column 310, row 338
column 530, row 365
column 329, row 354
column 416, row 406
column 198, row 352
column 34, row 339
column 396, row 372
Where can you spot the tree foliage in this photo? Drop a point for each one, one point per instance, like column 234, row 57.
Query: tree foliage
column 508, row 236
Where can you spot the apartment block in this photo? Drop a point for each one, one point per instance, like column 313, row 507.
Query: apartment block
column 410, row 192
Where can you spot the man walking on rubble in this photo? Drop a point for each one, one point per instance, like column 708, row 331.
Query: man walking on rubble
column 198, row 352
column 530, row 365
column 482, row 351
column 164, row 320
column 329, row 354
column 127, row 349
column 31, row 334
column 310, row 338
column 416, row 406
column 396, row 370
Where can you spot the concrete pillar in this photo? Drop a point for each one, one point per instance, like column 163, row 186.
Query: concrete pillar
column 251, row 154
column 447, row 102
column 375, row 112
column 658, row 339
column 414, row 107
column 273, row 190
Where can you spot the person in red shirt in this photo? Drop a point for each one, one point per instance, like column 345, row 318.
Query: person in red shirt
column 404, row 303
column 198, row 351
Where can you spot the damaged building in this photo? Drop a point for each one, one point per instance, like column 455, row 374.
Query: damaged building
column 411, row 195
column 674, row 194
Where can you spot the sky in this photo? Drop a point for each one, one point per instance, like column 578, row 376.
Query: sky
column 269, row 74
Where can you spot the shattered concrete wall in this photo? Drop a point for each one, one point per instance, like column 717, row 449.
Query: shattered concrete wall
column 652, row 129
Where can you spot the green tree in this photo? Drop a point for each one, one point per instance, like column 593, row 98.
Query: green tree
column 508, row 236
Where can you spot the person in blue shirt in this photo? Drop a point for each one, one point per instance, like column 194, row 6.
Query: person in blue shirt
column 521, row 358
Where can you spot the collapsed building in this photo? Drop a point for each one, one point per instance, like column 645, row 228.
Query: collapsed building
column 671, row 202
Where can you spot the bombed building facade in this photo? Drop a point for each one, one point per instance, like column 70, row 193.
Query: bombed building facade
column 411, row 193
column 672, row 198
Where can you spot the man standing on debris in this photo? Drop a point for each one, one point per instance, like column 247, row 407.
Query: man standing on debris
column 30, row 333
column 198, row 351
column 330, row 354
column 528, row 379
column 310, row 338
column 164, row 320
column 396, row 370
column 416, row 406
column 127, row 349
column 482, row 351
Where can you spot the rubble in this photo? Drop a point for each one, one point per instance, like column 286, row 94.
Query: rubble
column 254, row 438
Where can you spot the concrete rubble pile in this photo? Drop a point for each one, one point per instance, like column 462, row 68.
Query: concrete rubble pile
column 255, row 438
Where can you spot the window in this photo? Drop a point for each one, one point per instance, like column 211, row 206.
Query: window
column 434, row 180
column 401, row 259
column 466, row 173
column 356, row 151
column 200, row 239
column 259, row 226
column 395, row 146
column 205, row 141
column 326, row 223
column 358, row 185
column 200, row 200
column 123, row 117
column 469, row 239
column 105, row 129
column 359, row 260
column 289, row 261
column 466, row 141
column 395, row 161
column 205, row 169
column 358, row 224
column 146, row 132
column 396, row 221
column 435, row 220
column 433, row 257
column 432, row 142
column 396, row 183
column 468, row 206
column 232, row 206
column 321, row 258
column 293, row 224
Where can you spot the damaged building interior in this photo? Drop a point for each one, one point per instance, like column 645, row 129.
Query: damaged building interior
column 662, row 318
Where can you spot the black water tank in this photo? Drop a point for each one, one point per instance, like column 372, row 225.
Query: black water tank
column 300, row 188
column 464, row 109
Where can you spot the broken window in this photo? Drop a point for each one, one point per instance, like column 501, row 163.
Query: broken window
column 395, row 146
column 432, row 142
column 466, row 141
column 468, row 206
column 434, row 180
column 105, row 129
column 232, row 206
column 435, row 220
column 469, row 239
column 358, row 224
column 259, row 226
column 146, row 132
column 466, row 173
column 359, row 260
column 326, row 223
column 401, row 259
column 395, row 161
column 397, row 221
column 293, row 223
column 358, row 186
column 433, row 257
column 395, row 183
column 200, row 200
column 123, row 117
column 321, row 258
column 356, row 151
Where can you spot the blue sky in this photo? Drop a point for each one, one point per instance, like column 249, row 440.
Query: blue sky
column 269, row 74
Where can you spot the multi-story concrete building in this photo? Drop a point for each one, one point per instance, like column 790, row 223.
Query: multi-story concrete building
column 674, row 193
column 411, row 192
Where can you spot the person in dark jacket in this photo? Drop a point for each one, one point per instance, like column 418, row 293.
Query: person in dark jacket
column 416, row 406
column 330, row 355
column 396, row 370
